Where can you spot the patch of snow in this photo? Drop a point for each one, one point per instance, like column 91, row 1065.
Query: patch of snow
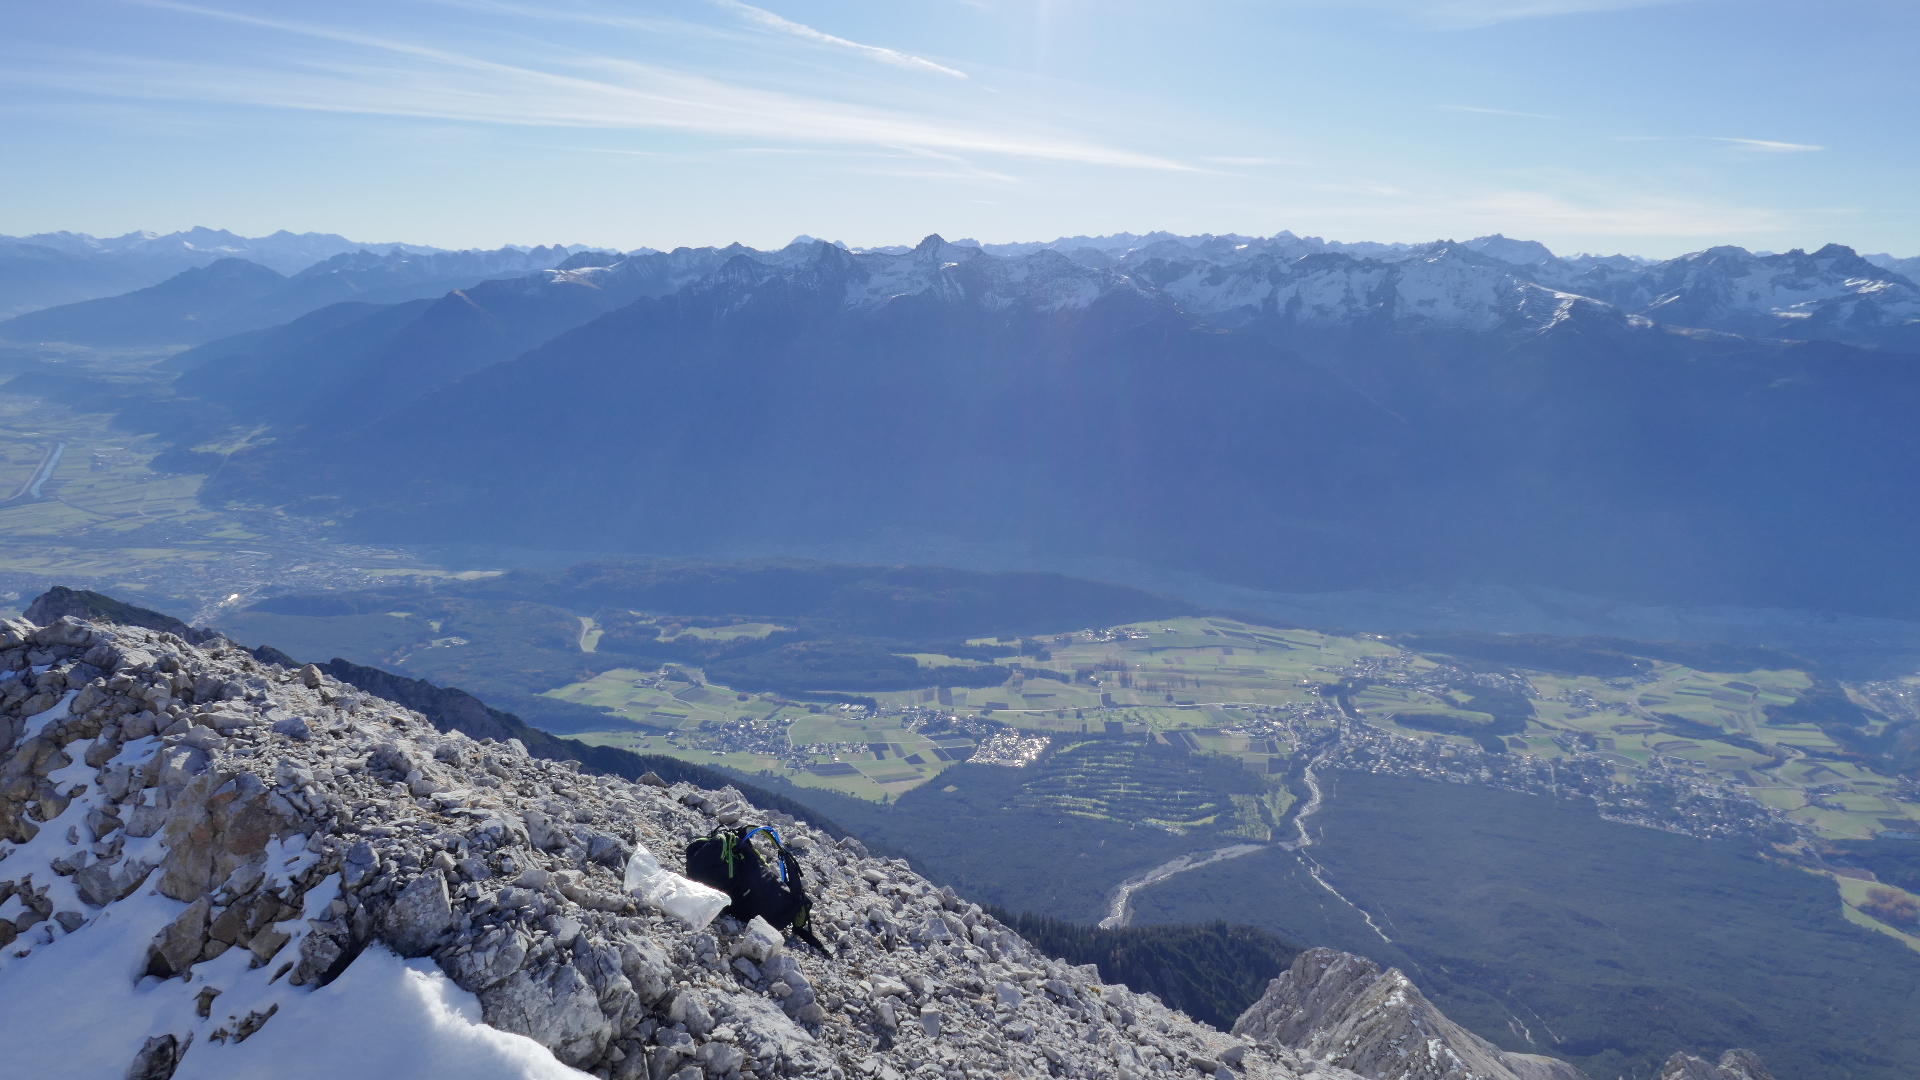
column 39, row 721
column 384, row 1018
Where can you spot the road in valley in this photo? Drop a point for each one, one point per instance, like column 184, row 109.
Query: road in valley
column 30, row 490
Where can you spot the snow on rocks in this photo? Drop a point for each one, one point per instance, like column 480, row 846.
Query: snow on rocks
column 207, row 863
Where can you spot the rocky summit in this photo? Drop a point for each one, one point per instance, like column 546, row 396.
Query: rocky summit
column 213, row 866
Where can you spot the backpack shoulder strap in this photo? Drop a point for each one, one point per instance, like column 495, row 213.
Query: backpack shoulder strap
column 797, row 887
column 746, row 837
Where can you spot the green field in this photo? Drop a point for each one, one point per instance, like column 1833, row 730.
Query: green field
column 102, row 489
column 1214, row 669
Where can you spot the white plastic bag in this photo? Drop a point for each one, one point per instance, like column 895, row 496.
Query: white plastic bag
column 687, row 900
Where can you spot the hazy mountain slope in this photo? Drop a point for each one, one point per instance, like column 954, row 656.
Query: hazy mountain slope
column 63, row 268
column 1643, row 463
column 1909, row 267
column 275, row 375
column 345, row 365
column 34, row 276
column 234, row 296
column 194, row 305
column 283, row 251
column 397, row 277
column 972, row 405
column 1453, row 423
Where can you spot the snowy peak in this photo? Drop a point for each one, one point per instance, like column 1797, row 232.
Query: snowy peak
column 1282, row 284
column 964, row 274
column 1440, row 287
column 397, row 265
column 1517, row 252
column 1830, row 294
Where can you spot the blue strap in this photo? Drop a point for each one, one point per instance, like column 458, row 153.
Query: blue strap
column 775, row 833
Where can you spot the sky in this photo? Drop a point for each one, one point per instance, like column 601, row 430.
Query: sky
column 1639, row 126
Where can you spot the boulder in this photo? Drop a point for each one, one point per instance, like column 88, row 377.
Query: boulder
column 175, row 948
column 555, row 1006
column 421, row 914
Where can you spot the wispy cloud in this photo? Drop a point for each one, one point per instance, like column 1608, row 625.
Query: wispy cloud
column 1473, row 13
column 768, row 20
column 1584, row 209
column 1765, row 145
column 1619, row 215
column 387, row 76
column 1498, row 112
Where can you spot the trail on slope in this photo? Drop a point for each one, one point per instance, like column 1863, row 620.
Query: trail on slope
column 1119, row 909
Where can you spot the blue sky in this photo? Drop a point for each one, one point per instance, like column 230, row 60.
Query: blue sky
column 1592, row 125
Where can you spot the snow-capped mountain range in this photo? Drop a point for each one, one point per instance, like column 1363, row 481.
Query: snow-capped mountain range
column 1285, row 283
column 1271, row 285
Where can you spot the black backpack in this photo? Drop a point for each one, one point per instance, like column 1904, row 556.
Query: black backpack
column 727, row 860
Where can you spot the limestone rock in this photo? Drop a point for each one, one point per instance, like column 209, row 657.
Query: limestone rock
column 107, row 880
column 423, row 912
column 1344, row 1010
column 556, row 1007
column 758, row 941
column 176, row 948
column 1734, row 1065
column 157, row 1059
column 218, row 823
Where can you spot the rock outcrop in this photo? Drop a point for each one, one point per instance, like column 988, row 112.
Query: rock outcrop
column 261, row 831
column 1734, row 1065
column 1342, row 1009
